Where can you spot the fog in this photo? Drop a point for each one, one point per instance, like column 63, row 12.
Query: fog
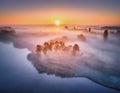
column 98, row 58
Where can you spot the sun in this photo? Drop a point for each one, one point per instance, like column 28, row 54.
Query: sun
column 57, row 22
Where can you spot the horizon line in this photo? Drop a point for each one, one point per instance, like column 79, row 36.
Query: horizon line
column 59, row 25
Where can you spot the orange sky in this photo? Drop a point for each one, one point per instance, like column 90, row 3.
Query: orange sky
column 71, row 16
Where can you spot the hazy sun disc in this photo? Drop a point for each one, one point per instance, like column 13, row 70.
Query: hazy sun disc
column 57, row 22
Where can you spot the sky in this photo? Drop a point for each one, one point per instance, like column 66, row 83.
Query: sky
column 83, row 12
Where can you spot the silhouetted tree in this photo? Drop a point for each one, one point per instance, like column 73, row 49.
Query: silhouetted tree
column 75, row 49
column 105, row 34
column 89, row 29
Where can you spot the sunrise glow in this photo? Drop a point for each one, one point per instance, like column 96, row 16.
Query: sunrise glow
column 66, row 46
column 57, row 22
column 58, row 13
